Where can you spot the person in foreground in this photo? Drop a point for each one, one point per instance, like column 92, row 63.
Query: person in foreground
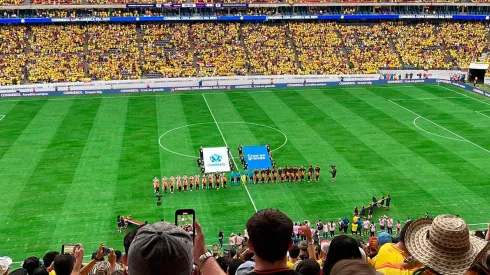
column 443, row 245
column 270, row 233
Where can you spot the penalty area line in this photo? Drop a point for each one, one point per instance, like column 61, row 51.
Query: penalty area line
column 449, row 131
column 226, row 144
column 1, row 117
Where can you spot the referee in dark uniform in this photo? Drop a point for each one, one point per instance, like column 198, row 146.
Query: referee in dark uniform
column 333, row 171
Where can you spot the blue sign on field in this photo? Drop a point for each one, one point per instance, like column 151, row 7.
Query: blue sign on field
column 256, row 157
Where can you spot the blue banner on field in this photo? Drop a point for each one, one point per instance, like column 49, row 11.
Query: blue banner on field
column 257, row 157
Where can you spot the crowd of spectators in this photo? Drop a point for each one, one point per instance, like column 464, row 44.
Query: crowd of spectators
column 270, row 50
column 131, row 51
column 438, row 246
column 219, row 50
column 61, row 63
column 421, row 45
column 319, row 48
column 113, row 52
column 465, row 41
column 167, row 50
column 12, row 57
column 369, row 48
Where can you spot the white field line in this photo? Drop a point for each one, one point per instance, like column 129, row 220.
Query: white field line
column 449, row 131
column 481, row 101
column 430, row 133
column 429, row 98
column 480, row 112
column 2, row 117
column 226, row 144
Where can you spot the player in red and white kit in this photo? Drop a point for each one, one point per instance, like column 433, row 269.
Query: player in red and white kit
column 179, row 183
column 204, row 181
column 164, row 184
column 184, row 178
column 211, row 180
column 196, row 181
column 172, row 184
column 156, row 185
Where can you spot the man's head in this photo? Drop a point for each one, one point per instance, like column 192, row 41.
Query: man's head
column 269, row 233
column 49, row 258
column 233, row 266
column 308, row 267
column 40, row 271
column 294, row 252
column 128, row 239
column 63, row 264
column 160, row 248
column 30, row 264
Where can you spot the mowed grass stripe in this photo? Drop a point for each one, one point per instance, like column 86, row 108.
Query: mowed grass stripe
column 462, row 120
column 21, row 159
column 20, row 115
column 386, row 169
column 216, row 209
column 468, row 153
column 90, row 196
column 315, row 150
column 139, row 162
column 397, row 122
column 459, row 119
column 18, row 163
column 234, row 128
column 170, row 116
column 243, row 108
column 473, row 99
column 284, row 196
column 49, row 183
column 289, row 197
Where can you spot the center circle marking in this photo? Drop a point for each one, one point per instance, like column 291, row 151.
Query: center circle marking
column 229, row 122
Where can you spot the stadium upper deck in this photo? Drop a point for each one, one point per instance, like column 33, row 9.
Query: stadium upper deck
column 251, row 2
column 153, row 50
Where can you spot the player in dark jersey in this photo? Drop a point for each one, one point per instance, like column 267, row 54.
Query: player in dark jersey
column 296, row 174
column 268, row 173
column 333, row 171
column 240, row 150
column 256, row 173
column 262, row 175
column 317, row 173
column 291, row 173
column 302, row 173
column 274, row 175
column 310, row 173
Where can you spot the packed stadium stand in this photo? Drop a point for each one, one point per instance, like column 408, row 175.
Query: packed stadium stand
column 132, row 51
column 167, row 50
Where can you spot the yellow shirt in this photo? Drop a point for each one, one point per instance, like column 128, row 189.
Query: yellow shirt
column 390, row 254
column 354, row 227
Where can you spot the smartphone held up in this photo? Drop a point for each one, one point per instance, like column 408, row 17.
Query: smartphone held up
column 185, row 218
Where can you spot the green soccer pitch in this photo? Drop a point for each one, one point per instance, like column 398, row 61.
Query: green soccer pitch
column 70, row 165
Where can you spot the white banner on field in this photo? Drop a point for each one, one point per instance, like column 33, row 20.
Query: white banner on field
column 216, row 159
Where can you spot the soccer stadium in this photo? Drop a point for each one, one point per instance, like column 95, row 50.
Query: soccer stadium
column 309, row 137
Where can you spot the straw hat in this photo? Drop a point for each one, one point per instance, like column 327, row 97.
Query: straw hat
column 444, row 244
